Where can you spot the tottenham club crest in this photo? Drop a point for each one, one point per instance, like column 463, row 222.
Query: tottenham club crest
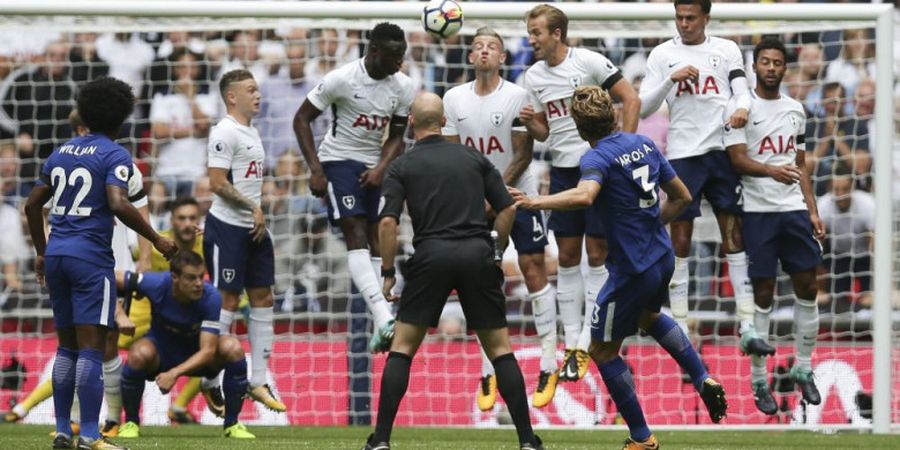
column 394, row 102
column 794, row 121
column 575, row 81
column 715, row 61
column 349, row 201
column 496, row 118
column 228, row 275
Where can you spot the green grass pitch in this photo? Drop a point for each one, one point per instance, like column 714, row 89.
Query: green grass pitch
column 27, row 437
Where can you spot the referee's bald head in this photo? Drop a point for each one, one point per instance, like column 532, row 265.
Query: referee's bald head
column 427, row 115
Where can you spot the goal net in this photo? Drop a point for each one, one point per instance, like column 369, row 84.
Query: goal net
column 319, row 365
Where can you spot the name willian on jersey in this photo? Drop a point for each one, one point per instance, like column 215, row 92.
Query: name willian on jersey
column 77, row 150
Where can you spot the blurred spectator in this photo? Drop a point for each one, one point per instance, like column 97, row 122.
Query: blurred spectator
column 10, row 188
column 36, row 104
column 849, row 217
column 837, row 140
column 14, row 252
column 857, row 60
column 864, row 110
column 180, row 121
column 282, row 94
column 418, row 64
column 811, row 65
column 326, row 59
column 128, row 57
column 161, row 73
column 244, row 54
column 204, row 195
column 158, row 201
column 86, row 64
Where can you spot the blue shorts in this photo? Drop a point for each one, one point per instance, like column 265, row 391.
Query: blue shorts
column 234, row 261
column 784, row 236
column 346, row 197
column 529, row 233
column 572, row 223
column 625, row 296
column 171, row 355
column 711, row 175
column 80, row 292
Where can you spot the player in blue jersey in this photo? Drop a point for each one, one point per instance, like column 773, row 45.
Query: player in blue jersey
column 620, row 177
column 87, row 179
column 184, row 339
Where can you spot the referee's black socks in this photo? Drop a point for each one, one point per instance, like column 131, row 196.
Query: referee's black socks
column 394, row 381
column 511, row 385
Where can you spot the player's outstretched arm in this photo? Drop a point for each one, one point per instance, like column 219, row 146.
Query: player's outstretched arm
column 204, row 356
column 623, row 92
column 34, row 213
column 678, row 197
column 117, row 198
column 303, row 130
column 745, row 165
column 579, row 197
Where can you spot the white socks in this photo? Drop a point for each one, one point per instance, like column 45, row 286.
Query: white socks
column 678, row 293
column 112, row 388
column 594, row 282
column 261, row 338
column 359, row 263
column 226, row 317
column 543, row 306
column 758, row 372
column 376, row 267
column 806, row 330
column 570, row 294
column 743, row 290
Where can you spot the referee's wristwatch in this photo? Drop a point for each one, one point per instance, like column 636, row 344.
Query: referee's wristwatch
column 388, row 272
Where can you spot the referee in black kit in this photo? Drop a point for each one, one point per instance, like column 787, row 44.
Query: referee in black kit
column 444, row 186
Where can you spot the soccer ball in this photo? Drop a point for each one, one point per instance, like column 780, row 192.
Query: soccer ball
column 442, row 18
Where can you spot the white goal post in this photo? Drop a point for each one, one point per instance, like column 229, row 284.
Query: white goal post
column 881, row 15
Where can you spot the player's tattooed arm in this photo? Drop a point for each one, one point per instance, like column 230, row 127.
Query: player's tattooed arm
column 677, row 199
column 218, row 183
column 305, row 115
column 523, row 147
column 535, row 122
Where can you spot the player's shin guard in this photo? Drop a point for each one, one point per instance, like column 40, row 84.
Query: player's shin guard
column 112, row 388
column 226, row 317
column 743, row 290
column 89, row 385
column 570, row 294
column 360, row 266
column 667, row 333
column 543, row 306
column 511, row 385
column 394, row 381
column 261, row 338
column 806, row 329
column 594, row 282
column 620, row 385
column 234, row 386
column 64, row 388
column 132, row 392
column 758, row 373
column 678, row 293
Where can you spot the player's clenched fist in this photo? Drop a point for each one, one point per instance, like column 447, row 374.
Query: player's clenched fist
column 526, row 115
column 690, row 73
column 165, row 246
column 318, row 184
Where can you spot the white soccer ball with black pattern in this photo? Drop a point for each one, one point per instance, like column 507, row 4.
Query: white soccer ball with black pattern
column 442, row 18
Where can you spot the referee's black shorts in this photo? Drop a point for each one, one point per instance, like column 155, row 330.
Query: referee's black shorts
column 440, row 266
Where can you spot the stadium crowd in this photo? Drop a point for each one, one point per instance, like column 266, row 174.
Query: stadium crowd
column 174, row 75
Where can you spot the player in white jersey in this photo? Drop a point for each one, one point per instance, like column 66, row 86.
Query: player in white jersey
column 697, row 75
column 781, row 221
column 550, row 83
column 483, row 114
column 237, row 246
column 366, row 97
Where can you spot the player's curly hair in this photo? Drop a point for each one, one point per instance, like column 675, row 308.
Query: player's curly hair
column 705, row 5
column 769, row 43
column 104, row 104
column 593, row 113
column 386, row 32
